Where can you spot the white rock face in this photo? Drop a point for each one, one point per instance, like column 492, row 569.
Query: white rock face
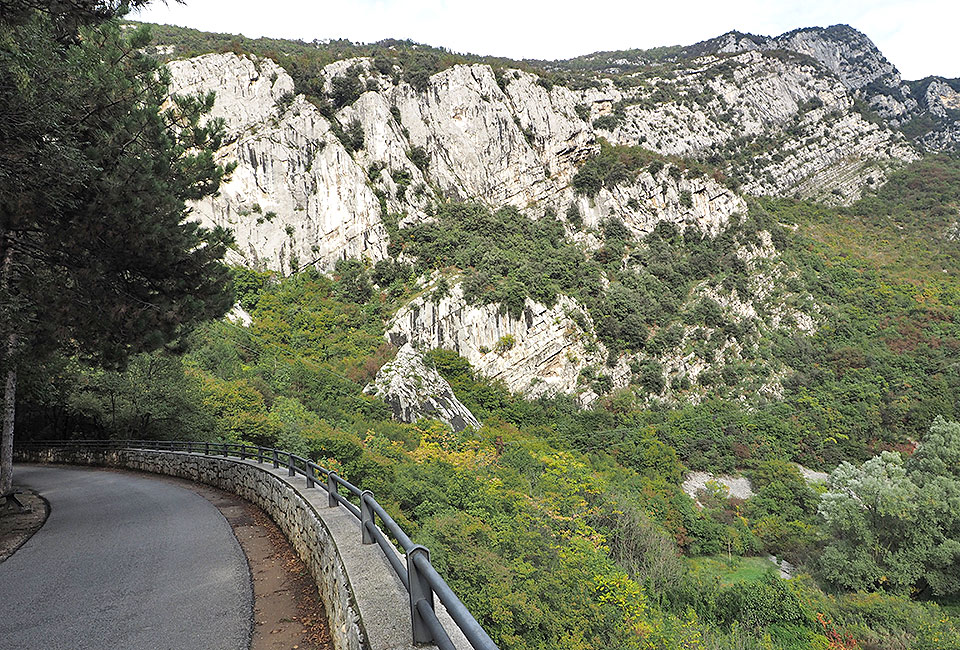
column 844, row 51
column 413, row 391
column 515, row 147
column 941, row 97
column 716, row 105
column 652, row 199
column 247, row 89
column 299, row 197
column 738, row 487
column 540, row 353
column 942, row 103
column 296, row 196
column 240, row 316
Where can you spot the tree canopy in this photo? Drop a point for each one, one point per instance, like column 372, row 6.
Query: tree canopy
column 96, row 163
column 895, row 524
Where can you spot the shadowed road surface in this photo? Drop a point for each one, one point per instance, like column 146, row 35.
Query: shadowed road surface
column 124, row 562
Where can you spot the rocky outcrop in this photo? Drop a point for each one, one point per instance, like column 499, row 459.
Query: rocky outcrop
column 297, row 196
column 540, row 353
column 517, row 145
column 248, row 89
column 300, row 196
column 669, row 196
column 776, row 122
column 414, row 390
column 860, row 66
column 738, row 487
column 942, row 98
column 844, row 51
column 942, row 101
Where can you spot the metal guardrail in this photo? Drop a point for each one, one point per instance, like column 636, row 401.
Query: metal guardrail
column 417, row 574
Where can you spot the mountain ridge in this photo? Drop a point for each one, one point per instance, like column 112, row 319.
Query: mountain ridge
column 355, row 158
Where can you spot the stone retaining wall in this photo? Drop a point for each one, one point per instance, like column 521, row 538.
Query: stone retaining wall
column 294, row 513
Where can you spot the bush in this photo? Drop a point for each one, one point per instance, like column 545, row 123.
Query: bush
column 607, row 122
column 504, row 343
column 760, row 604
column 345, row 89
column 574, row 216
column 351, row 281
column 418, row 156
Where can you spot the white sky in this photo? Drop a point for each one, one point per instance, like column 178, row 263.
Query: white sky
column 918, row 36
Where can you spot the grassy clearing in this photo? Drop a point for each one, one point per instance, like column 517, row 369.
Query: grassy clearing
column 729, row 571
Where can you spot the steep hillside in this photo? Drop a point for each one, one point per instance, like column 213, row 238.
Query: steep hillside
column 565, row 527
column 529, row 304
column 673, row 278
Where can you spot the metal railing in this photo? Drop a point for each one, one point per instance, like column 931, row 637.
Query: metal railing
column 417, row 574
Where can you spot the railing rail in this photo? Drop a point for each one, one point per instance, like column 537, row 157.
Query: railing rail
column 419, row 577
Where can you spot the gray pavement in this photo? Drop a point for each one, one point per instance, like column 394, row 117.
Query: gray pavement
column 124, row 561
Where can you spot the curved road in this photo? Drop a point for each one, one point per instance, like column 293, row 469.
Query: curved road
column 124, row 562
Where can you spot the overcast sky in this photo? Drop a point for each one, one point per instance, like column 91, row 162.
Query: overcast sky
column 918, row 36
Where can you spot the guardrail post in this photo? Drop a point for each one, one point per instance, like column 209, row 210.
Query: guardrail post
column 243, row 452
column 260, row 454
column 225, row 451
column 332, row 501
column 276, row 459
column 309, row 473
column 366, row 517
column 189, row 447
column 291, row 470
column 206, row 448
column 419, row 590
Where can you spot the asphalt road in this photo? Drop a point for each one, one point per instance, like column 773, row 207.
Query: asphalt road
column 124, row 561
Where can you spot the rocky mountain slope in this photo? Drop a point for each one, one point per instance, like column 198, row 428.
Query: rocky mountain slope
column 779, row 123
column 374, row 148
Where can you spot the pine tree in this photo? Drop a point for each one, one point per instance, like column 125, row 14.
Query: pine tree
column 96, row 164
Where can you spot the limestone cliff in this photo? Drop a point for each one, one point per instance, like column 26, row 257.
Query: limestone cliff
column 303, row 194
column 811, row 113
column 297, row 196
column 776, row 122
column 844, row 51
column 542, row 352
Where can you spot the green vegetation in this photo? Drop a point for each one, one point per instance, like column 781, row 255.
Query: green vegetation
column 618, row 164
column 513, row 257
column 892, row 523
column 305, row 60
column 97, row 259
column 731, row 570
column 560, row 527
column 547, row 519
column 509, row 257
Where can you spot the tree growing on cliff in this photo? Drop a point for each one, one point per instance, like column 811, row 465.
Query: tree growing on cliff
column 96, row 163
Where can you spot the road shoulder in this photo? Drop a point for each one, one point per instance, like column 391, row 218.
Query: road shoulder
column 16, row 528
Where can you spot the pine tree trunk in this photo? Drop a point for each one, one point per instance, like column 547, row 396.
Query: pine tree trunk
column 9, row 412
column 10, row 385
